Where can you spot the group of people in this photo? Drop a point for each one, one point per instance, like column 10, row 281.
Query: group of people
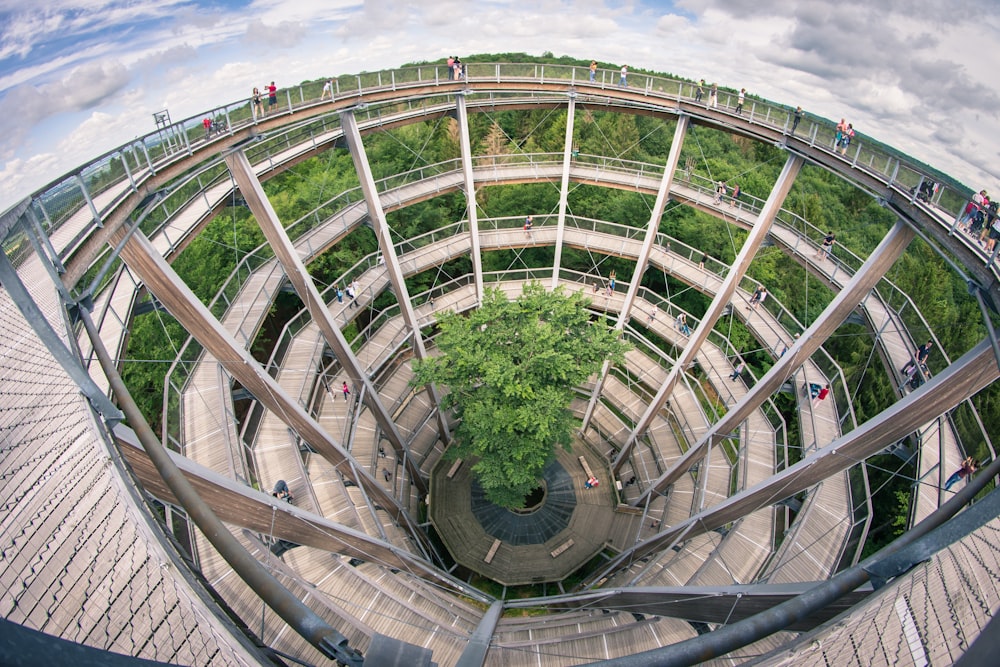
column 456, row 70
column 845, row 133
column 213, row 126
column 818, row 392
column 713, row 94
column 722, row 189
column 981, row 220
column 609, row 286
column 352, row 289
column 758, row 297
column 919, row 359
column 911, row 377
column 258, row 101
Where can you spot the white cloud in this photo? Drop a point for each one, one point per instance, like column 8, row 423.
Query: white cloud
column 901, row 70
column 284, row 35
column 19, row 177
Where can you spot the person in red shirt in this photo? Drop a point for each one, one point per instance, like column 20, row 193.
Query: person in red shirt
column 272, row 97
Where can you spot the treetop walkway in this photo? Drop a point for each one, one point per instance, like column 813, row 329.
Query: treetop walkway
column 71, row 222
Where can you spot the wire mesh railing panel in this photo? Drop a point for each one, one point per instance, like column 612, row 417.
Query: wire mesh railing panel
column 929, row 616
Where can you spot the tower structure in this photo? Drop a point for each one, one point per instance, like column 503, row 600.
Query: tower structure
column 710, row 525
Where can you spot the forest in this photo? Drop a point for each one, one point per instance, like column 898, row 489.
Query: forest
column 708, row 155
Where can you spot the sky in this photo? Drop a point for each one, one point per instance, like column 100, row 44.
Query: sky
column 81, row 77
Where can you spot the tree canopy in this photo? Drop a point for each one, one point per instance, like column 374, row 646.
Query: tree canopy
column 511, row 367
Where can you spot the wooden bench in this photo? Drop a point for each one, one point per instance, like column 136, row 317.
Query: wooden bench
column 562, row 547
column 586, row 467
column 492, row 552
column 454, row 468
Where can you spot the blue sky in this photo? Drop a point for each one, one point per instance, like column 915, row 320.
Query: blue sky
column 78, row 78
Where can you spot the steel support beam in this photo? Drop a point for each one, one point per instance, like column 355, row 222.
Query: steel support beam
column 853, row 293
column 299, row 277
column 564, row 187
column 642, row 261
column 719, row 304
column 968, row 375
column 377, row 215
column 159, row 277
column 719, row 605
column 470, row 192
column 474, row 654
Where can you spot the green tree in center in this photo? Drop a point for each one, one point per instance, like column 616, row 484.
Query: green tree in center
column 511, row 367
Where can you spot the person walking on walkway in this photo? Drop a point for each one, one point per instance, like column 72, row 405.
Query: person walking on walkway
column 258, row 103
column 826, row 246
column 823, row 393
column 738, row 371
column 845, row 139
column 720, row 192
column 740, row 99
column 623, row 80
column 918, row 359
column 528, row 222
column 796, row 119
column 969, row 466
column 347, row 391
column 699, row 92
column 593, row 71
column 759, row 295
column 272, row 97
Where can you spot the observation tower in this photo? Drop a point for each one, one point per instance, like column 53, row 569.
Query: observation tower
column 724, row 496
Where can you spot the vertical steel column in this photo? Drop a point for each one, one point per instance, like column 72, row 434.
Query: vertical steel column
column 164, row 284
column 854, row 292
column 297, row 274
column 564, row 187
column 381, row 227
column 721, row 301
column 90, row 202
column 470, row 192
column 662, row 197
column 45, row 240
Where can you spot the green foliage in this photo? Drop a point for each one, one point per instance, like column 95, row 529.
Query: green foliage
column 154, row 339
column 511, row 367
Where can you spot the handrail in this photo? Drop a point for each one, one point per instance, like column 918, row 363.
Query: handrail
column 122, row 164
